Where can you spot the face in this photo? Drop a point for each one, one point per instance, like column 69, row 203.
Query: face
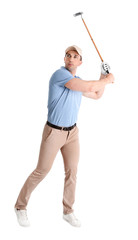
column 72, row 61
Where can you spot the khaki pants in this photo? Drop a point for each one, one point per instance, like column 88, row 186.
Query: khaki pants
column 52, row 141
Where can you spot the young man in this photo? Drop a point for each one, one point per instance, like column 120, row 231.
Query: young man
column 61, row 133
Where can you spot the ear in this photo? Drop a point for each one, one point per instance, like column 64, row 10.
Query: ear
column 80, row 63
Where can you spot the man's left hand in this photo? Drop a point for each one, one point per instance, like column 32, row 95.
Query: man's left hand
column 105, row 68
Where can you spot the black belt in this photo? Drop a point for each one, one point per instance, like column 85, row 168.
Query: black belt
column 61, row 128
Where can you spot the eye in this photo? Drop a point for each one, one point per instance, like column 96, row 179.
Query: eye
column 76, row 56
column 68, row 55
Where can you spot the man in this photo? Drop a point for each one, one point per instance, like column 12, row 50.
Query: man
column 61, row 133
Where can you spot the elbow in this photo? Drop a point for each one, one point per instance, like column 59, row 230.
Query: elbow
column 97, row 96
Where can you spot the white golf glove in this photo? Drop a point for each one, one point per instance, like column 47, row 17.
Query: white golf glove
column 105, row 68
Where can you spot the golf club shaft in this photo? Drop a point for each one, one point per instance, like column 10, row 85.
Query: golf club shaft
column 92, row 39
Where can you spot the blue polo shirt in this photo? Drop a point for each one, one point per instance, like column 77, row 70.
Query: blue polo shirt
column 63, row 103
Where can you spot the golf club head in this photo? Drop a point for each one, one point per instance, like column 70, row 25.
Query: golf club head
column 78, row 14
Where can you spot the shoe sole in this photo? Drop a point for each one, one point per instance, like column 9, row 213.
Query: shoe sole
column 71, row 223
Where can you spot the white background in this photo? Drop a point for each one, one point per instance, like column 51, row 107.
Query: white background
column 33, row 37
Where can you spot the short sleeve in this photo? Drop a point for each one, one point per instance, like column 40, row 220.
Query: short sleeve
column 61, row 77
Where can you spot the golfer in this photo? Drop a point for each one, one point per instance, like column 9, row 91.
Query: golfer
column 61, row 132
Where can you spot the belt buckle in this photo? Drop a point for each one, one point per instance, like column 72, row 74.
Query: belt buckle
column 64, row 128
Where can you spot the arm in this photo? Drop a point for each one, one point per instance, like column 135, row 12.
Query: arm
column 95, row 95
column 77, row 84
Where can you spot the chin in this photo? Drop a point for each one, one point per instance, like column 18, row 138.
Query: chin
column 71, row 68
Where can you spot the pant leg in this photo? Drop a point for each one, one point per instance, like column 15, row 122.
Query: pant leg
column 70, row 153
column 52, row 140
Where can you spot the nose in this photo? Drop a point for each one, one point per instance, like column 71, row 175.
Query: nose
column 71, row 59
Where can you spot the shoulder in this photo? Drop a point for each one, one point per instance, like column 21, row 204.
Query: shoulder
column 61, row 73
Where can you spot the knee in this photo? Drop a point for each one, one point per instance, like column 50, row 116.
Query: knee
column 40, row 173
column 71, row 174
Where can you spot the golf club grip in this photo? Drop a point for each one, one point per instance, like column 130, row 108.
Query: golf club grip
column 92, row 39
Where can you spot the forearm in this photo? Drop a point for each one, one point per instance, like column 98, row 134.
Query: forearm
column 77, row 84
column 96, row 94
column 98, row 86
column 101, row 91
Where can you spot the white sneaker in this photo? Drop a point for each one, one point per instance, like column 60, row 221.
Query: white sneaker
column 70, row 218
column 22, row 217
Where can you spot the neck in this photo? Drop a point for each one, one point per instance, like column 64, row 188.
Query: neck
column 72, row 71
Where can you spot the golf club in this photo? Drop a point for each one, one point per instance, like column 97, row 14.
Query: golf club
column 105, row 66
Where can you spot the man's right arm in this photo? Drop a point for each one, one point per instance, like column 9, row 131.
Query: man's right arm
column 77, row 84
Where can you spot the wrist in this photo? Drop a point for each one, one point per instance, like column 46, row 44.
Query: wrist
column 105, row 80
column 102, row 76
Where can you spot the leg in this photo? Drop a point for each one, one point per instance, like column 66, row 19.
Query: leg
column 48, row 150
column 70, row 153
